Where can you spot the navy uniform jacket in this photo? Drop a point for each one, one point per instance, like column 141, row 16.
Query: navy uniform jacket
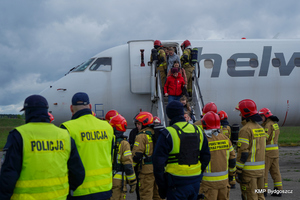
column 12, row 165
column 161, row 152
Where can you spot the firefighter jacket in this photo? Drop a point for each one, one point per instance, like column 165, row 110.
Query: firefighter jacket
column 94, row 139
column 226, row 130
column 251, row 148
column 174, row 85
column 123, row 164
column 272, row 133
column 161, row 58
column 222, row 160
column 39, row 169
column 143, row 149
column 186, row 58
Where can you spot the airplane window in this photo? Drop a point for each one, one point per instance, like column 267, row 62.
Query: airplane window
column 253, row 62
column 208, row 63
column 83, row 66
column 231, row 63
column 101, row 64
column 276, row 62
column 297, row 62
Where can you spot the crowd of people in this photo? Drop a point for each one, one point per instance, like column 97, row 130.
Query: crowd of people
column 90, row 158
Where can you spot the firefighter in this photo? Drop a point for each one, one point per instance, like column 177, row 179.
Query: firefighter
column 122, row 163
column 186, row 64
column 161, row 60
column 215, row 184
column 210, row 106
column 142, row 156
column 181, row 154
column 226, row 130
column 272, row 153
column 94, row 139
column 251, row 146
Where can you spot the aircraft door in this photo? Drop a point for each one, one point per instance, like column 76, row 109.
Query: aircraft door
column 140, row 72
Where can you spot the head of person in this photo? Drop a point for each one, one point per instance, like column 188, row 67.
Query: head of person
column 187, row 116
column 110, row 114
column 185, row 44
column 36, row 109
column 51, row 117
column 156, row 120
column 175, row 112
column 174, row 72
column 223, row 115
column 211, row 121
column 171, row 51
column 80, row 101
column 143, row 120
column 176, row 64
column 265, row 113
column 211, row 106
column 118, row 123
column 183, row 100
column 157, row 44
column 248, row 110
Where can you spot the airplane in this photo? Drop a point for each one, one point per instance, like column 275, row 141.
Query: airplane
column 228, row 71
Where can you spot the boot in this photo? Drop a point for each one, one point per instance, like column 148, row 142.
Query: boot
column 275, row 194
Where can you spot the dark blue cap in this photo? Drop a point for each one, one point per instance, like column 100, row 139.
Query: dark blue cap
column 174, row 109
column 35, row 101
column 80, row 98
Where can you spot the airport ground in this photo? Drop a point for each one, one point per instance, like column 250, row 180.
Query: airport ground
column 290, row 171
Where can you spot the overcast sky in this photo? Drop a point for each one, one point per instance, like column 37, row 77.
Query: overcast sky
column 41, row 40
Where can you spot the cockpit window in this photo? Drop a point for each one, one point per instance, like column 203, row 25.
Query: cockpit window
column 102, row 64
column 83, row 65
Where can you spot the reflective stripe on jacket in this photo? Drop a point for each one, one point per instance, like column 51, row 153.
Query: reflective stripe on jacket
column 183, row 170
column 93, row 138
column 46, row 151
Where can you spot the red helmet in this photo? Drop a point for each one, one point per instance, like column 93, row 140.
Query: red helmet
column 156, row 120
column 211, row 106
column 145, row 118
column 94, row 114
column 247, row 107
column 223, row 115
column 51, row 117
column 119, row 122
column 211, row 121
column 111, row 114
column 186, row 43
column 266, row 112
column 157, row 43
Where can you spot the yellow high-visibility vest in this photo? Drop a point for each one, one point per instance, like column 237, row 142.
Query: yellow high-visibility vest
column 93, row 138
column 46, row 151
column 183, row 170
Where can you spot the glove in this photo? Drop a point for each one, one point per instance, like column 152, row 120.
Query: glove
column 162, row 192
column 132, row 188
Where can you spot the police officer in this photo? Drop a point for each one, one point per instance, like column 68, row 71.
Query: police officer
column 186, row 64
column 142, row 155
column 41, row 160
column 272, row 153
column 181, row 154
column 215, row 184
column 94, row 139
column 251, row 146
column 161, row 60
column 122, row 164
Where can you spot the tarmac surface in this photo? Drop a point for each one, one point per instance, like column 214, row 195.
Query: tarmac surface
column 289, row 163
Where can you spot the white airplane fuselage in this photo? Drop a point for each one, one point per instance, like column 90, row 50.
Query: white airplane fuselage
column 230, row 70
